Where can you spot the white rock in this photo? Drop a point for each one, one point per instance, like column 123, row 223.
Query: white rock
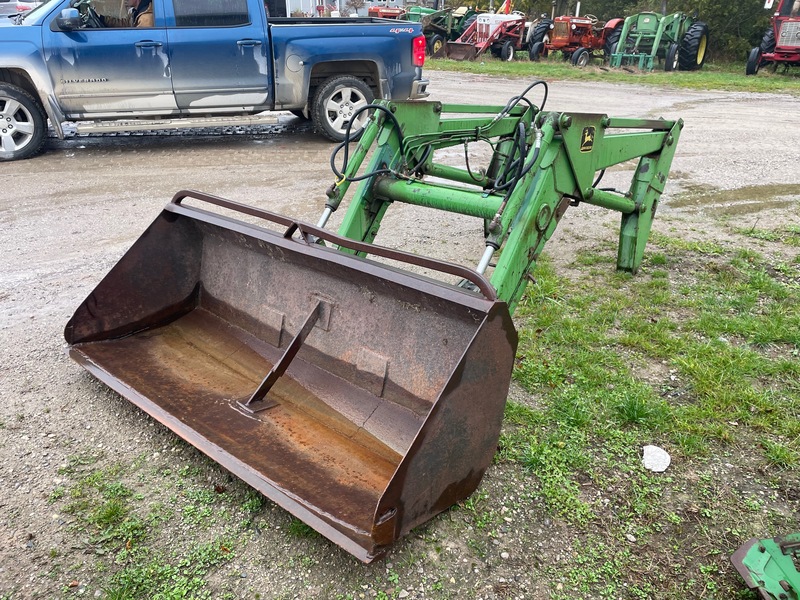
column 655, row 459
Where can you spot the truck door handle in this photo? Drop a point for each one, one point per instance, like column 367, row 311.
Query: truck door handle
column 249, row 43
column 148, row 44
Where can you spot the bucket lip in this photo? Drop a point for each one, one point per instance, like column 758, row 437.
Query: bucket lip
column 355, row 541
column 422, row 283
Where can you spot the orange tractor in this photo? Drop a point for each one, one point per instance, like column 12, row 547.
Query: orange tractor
column 579, row 39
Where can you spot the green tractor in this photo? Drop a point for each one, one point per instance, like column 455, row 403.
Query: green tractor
column 441, row 26
column 677, row 40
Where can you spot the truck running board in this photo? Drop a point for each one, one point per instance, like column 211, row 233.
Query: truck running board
column 120, row 126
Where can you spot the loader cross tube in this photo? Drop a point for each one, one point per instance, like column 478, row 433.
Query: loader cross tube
column 539, row 159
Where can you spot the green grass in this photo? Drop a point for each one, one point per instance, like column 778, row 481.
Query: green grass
column 700, row 354
column 124, row 530
column 719, row 76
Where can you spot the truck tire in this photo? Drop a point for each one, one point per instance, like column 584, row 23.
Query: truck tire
column 753, row 61
column 581, row 57
column 693, row 48
column 23, row 124
column 335, row 104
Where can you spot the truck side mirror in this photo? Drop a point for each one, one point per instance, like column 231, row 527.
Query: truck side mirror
column 69, row 20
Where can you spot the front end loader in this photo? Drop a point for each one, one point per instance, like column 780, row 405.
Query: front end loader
column 678, row 40
column 359, row 387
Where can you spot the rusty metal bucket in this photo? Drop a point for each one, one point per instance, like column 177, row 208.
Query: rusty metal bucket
column 461, row 51
column 362, row 398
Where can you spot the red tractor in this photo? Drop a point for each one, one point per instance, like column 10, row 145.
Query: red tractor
column 579, row 39
column 385, row 12
column 781, row 42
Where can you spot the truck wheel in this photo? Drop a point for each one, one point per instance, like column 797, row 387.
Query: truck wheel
column 692, row 53
column 335, row 105
column 581, row 57
column 537, row 51
column 507, row 52
column 671, row 60
column 753, row 61
column 23, row 124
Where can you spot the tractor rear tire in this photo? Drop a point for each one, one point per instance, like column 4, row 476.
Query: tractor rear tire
column 581, row 57
column 610, row 45
column 541, row 32
column 537, row 51
column 753, row 61
column 694, row 47
column 767, row 46
column 768, row 41
column 672, row 58
column 23, row 124
column 467, row 24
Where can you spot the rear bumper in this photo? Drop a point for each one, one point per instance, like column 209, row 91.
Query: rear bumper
column 419, row 89
column 408, row 85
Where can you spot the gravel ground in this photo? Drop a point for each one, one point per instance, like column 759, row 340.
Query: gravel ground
column 69, row 215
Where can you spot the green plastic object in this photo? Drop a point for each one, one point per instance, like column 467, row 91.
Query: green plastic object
column 542, row 163
column 769, row 566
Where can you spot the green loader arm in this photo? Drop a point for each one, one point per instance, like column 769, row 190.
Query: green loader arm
column 541, row 163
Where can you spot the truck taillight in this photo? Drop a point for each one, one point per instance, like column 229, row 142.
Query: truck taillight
column 419, row 51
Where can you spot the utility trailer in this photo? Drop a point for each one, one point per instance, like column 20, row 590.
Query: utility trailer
column 359, row 387
column 678, row 40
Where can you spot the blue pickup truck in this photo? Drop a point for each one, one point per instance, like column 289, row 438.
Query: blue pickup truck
column 202, row 60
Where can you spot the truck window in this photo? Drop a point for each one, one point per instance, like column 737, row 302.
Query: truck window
column 210, row 13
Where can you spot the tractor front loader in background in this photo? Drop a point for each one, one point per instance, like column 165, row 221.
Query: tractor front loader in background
column 678, row 40
column 327, row 372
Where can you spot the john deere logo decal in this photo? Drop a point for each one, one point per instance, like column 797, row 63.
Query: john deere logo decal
column 587, row 139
